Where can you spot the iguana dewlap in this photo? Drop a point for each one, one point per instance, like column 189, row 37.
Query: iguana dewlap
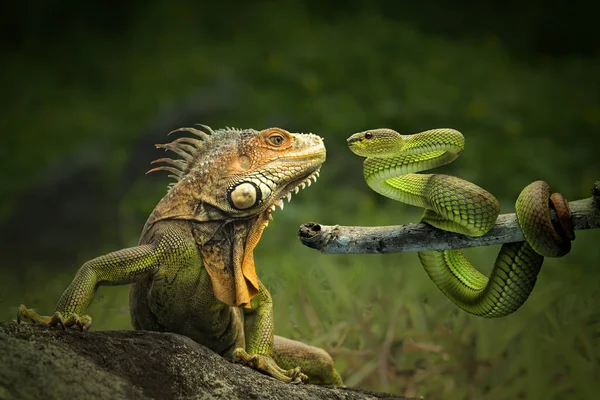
column 193, row 270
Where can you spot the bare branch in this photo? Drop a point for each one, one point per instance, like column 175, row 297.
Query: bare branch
column 419, row 237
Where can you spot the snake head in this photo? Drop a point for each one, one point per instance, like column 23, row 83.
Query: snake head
column 381, row 142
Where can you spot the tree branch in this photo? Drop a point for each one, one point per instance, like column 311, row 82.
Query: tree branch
column 585, row 214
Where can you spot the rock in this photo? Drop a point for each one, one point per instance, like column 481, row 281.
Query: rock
column 39, row 362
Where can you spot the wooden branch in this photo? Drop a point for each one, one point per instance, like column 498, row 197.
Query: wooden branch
column 419, row 237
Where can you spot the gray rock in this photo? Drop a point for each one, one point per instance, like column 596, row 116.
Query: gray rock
column 38, row 362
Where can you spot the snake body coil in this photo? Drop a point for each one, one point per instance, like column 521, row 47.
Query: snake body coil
column 456, row 205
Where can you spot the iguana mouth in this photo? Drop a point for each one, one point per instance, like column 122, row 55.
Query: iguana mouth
column 294, row 188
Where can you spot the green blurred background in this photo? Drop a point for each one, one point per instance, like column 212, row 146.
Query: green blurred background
column 87, row 91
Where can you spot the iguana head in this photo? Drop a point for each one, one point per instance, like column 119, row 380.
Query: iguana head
column 231, row 180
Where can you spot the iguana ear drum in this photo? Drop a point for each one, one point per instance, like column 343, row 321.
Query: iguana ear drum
column 244, row 195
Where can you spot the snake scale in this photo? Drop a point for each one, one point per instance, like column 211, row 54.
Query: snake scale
column 456, row 205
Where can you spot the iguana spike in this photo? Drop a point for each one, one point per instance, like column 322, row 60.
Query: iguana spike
column 199, row 133
column 208, row 128
column 186, row 147
column 176, row 163
column 194, row 142
column 177, row 130
column 175, row 149
column 191, row 130
column 175, row 171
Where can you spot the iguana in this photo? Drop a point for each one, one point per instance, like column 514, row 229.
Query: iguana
column 193, row 270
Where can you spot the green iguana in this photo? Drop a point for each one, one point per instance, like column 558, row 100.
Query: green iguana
column 193, row 270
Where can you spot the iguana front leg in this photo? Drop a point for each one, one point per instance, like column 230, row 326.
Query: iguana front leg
column 258, row 330
column 116, row 268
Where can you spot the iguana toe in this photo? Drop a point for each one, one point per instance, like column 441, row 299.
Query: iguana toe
column 74, row 321
column 265, row 364
column 296, row 376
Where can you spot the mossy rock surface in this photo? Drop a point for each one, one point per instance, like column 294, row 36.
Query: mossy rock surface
column 39, row 362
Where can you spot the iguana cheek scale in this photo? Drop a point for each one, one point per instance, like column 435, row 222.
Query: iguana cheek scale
column 193, row 271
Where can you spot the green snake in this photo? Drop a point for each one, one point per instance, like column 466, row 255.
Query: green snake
column 456, row 205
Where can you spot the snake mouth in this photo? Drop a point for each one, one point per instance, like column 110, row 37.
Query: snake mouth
column 353, row 139
column 292, row 188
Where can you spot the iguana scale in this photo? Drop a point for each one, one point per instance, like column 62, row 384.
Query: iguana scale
column 193, row 270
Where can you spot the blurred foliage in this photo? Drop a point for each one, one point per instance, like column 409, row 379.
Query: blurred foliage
column 525, row 117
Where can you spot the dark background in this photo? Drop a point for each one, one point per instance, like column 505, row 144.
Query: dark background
column 89, row 88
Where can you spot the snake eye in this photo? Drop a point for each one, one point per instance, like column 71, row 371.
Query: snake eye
column 368, row 135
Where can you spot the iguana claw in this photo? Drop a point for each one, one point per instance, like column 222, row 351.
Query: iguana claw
column 295, row 373
column 267, row 365
column 74, row 321
column 251, row 358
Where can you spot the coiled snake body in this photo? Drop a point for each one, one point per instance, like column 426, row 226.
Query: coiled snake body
column 456, row 205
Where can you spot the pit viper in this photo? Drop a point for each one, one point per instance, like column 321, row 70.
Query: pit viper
column 456, row 205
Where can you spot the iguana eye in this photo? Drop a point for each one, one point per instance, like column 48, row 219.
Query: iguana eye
column 276, row 139
column 244, row 195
